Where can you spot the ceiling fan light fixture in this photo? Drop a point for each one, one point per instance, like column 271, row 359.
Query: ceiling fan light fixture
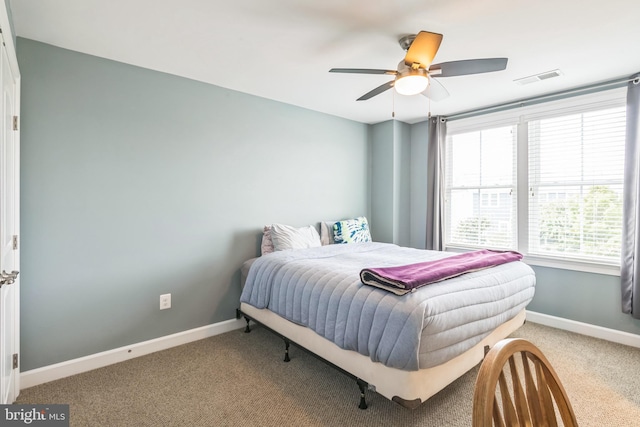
column 411, row 84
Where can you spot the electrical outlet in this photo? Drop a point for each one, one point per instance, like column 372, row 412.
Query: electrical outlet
column 165, row 301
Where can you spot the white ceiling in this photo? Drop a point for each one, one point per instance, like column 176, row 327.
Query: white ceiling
column 283, row 49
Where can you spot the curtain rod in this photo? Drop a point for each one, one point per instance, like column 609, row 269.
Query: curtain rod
column 583, row 90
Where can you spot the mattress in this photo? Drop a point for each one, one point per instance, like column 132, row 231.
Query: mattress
column 320, row 288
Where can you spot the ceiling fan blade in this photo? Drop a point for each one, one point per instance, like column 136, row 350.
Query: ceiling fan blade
column 423, row 49
column 468, row 66
column 435, row 91
column 376, row 91
column 363, row 71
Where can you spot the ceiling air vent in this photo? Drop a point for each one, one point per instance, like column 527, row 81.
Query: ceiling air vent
column 538, row 77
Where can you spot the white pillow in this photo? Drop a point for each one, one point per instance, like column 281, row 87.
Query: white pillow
column 286, row 237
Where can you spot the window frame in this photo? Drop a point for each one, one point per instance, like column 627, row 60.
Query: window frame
column 521, row 117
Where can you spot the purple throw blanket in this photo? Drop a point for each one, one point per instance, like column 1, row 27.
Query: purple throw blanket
column 406, row 278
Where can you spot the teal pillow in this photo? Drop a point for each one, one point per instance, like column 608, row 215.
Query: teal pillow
column 352, row 231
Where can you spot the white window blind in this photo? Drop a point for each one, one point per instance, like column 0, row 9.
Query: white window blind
column 575, row 185
column 481, row 188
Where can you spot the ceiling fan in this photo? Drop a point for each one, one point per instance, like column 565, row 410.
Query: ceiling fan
column 415, row 73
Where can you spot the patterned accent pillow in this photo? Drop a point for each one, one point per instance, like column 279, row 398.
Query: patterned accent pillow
column 352, row 231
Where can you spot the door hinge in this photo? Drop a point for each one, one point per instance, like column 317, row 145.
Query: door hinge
column 15, row 242
column 15, row 122
column 15, row 360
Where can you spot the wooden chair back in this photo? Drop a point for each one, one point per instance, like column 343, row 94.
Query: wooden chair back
column 517, row 386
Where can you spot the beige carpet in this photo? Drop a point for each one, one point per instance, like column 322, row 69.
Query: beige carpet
column 238, row 379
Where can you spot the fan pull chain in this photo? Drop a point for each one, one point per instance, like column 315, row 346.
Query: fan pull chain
column 429, row 100
column 393, row 104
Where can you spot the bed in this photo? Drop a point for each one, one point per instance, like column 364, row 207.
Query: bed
column 406, row 348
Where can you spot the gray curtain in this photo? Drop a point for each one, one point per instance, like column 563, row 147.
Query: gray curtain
column 435, row 182
column 630, row 262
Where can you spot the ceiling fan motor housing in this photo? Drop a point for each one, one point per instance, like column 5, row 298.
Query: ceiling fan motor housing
column 405, row 42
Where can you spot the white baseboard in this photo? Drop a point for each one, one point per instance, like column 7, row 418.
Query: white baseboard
column 612, row 335
column 87, row 363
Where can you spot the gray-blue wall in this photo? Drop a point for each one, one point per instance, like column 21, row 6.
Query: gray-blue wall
column 382, row 182
column 137, row 183
column 583, row 297
column 402, row 184
column 391, row 182
column 418, row 179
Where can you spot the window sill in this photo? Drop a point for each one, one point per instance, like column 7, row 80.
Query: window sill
column 587, row 267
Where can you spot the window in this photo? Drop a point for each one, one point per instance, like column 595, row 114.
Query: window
column 546, row 181
column 575, row 179
column 481, row 191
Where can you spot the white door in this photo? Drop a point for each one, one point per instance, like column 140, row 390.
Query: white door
column 9, row 220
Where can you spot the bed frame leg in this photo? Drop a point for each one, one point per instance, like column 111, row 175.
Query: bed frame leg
column 247, row 329
column 362, row 386
column 286, row 350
